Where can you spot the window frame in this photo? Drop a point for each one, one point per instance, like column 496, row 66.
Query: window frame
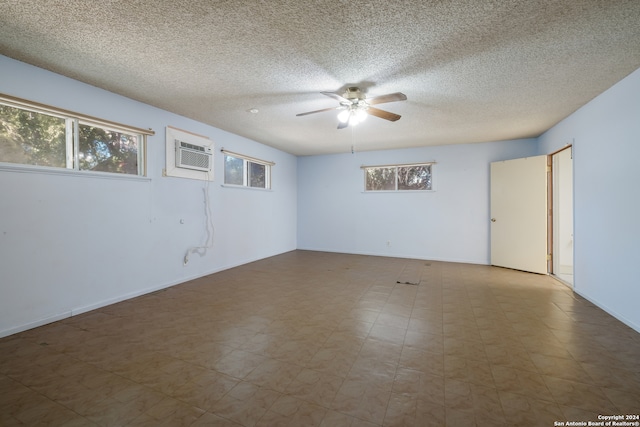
column 246, row 170
column 395, row 167
column 73, row 121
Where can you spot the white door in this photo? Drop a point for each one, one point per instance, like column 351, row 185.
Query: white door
column 519, row 214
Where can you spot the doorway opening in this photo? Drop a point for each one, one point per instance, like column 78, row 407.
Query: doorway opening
column 561, row 229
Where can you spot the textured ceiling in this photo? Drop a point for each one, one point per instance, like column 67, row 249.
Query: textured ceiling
column 472, row 70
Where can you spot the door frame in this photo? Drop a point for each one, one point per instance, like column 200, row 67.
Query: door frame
column 551, row 213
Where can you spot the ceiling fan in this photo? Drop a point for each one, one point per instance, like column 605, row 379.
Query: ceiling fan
column 355, row 107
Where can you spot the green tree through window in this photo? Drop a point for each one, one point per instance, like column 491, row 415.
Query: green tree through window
column 246, row 171
column 107, row 151
column 32, row 138
column 37, row 135
column 398, row 177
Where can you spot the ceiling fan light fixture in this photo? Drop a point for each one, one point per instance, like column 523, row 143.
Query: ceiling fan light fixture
column 344, row 115
column 361, row 114
column 354, row 120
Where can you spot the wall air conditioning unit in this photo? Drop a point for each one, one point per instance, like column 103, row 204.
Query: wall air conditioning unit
column 192, row 156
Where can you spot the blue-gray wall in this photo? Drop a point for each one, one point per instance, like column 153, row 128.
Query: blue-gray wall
column 450, row 223
column 56, row 230
column 73, row 242
column 605, row 135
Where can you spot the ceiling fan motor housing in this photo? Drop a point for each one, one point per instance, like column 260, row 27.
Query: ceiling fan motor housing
column 353, row 93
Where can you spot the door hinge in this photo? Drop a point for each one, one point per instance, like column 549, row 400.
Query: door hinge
column 548, row 257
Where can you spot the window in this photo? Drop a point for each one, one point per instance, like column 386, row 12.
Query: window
column 246, row 171
column 38, row 135
column 412, row 177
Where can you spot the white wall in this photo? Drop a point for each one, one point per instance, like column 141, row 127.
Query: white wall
column 605, row 135
column 70, row 243
column 449, row 224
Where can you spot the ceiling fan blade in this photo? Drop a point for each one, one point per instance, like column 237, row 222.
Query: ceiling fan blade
column 383, row 114
column 391, row 97
column 336, row 96
column 318, row 111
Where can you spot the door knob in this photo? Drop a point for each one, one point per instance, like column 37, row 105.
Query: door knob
column 493, row 220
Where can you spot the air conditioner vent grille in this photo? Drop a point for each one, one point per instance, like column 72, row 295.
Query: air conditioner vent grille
column 191, row 156
column 191, row 146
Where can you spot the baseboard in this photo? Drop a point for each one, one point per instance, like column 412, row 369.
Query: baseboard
column 613, row 313
column 401, row 256
column 87, row 308
column 97, row 305
column 36, row 324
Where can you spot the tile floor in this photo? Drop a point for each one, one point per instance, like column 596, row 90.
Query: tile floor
column 320, row 339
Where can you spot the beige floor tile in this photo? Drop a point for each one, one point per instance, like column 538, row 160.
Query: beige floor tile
column 338, row 419
column 524, row 409
column 401, row 410
column 289, row 411
column 245, row 404
column 311, row 338
column 209, row 420
column 170, row 409
column 274, row 375
column 109, row 412
column 362, row 401
column 315, row 387
column 626, row 401
column 579, row 395
column 333, row 361
column 423, row 361
column 239, row 363
column 205, row 391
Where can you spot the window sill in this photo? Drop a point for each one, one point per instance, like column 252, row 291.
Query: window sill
column 244, row 187
column 46, row 170
column 398, row 191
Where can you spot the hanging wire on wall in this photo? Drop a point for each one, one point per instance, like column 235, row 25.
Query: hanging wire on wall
column 210, row 229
